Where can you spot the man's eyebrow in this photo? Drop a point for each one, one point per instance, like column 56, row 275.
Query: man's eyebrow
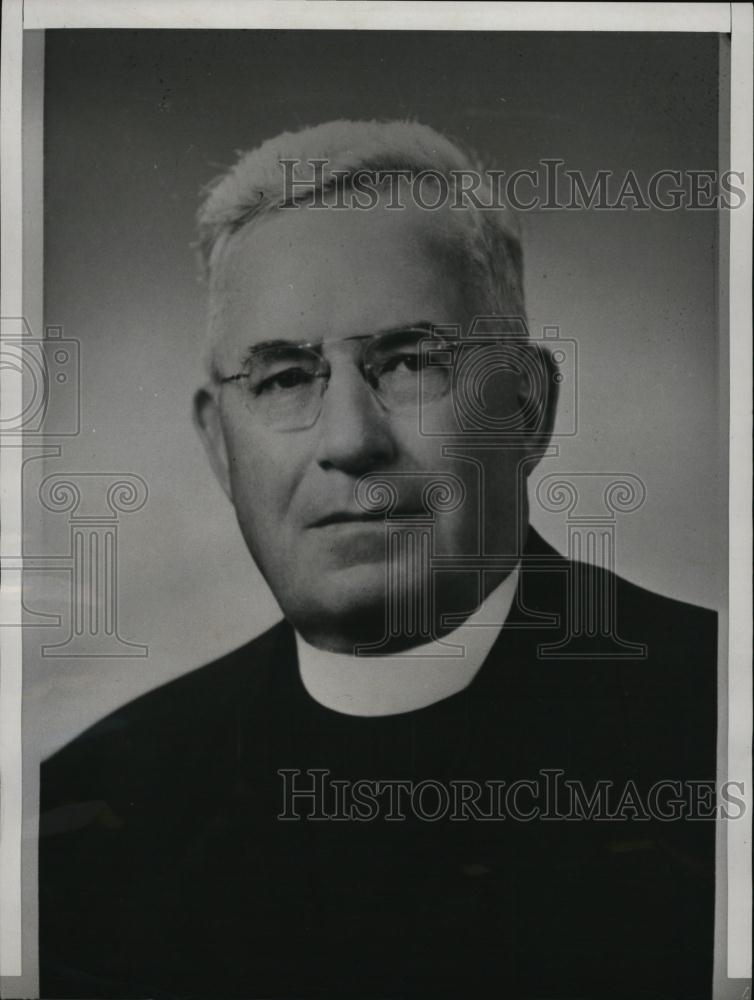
column 425, row 326
column 264, row 345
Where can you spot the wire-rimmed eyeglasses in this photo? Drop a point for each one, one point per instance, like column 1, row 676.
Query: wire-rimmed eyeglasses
column 284, row 382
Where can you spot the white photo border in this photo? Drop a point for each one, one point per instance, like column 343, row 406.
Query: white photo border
column 734, row 893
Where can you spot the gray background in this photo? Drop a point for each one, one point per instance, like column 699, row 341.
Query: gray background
column 136, row 122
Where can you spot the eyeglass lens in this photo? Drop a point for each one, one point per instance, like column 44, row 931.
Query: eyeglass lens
column 284, row 384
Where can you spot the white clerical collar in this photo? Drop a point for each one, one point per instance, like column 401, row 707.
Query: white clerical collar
column 389, row 685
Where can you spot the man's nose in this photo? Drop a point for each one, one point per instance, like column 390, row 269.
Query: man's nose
column 354, row 428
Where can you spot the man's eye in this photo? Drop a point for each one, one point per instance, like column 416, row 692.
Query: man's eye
column 403, row 363
column 287, row 379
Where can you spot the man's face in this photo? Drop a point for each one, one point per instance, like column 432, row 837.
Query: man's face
column 323, row 277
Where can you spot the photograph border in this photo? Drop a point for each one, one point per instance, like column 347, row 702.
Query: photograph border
column 21, row 269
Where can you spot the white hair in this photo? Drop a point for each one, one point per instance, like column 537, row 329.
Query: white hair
column 486, row 254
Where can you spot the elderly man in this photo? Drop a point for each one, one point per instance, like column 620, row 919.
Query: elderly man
column 401, row 789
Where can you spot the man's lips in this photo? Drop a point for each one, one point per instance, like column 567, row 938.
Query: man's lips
column 360, row 517
column 347, row 517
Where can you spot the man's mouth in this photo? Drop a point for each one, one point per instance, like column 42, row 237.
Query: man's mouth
column 347, row 517
column 362, row 517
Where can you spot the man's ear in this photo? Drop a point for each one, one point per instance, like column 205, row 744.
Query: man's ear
column 538, row 400
column 208, row 422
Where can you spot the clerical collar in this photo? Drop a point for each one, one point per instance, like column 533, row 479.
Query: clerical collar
column 414, row 679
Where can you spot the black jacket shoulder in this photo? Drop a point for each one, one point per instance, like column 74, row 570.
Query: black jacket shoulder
column 168, row 723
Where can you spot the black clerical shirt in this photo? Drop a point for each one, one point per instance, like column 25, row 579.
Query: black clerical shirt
column 181, row 854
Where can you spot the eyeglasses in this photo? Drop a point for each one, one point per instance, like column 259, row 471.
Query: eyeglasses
column 284, row 383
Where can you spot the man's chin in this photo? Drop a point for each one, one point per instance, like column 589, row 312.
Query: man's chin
column 348, row 591
column 344, row 608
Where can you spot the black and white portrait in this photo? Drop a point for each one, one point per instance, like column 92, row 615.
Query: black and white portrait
column 376, row 514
